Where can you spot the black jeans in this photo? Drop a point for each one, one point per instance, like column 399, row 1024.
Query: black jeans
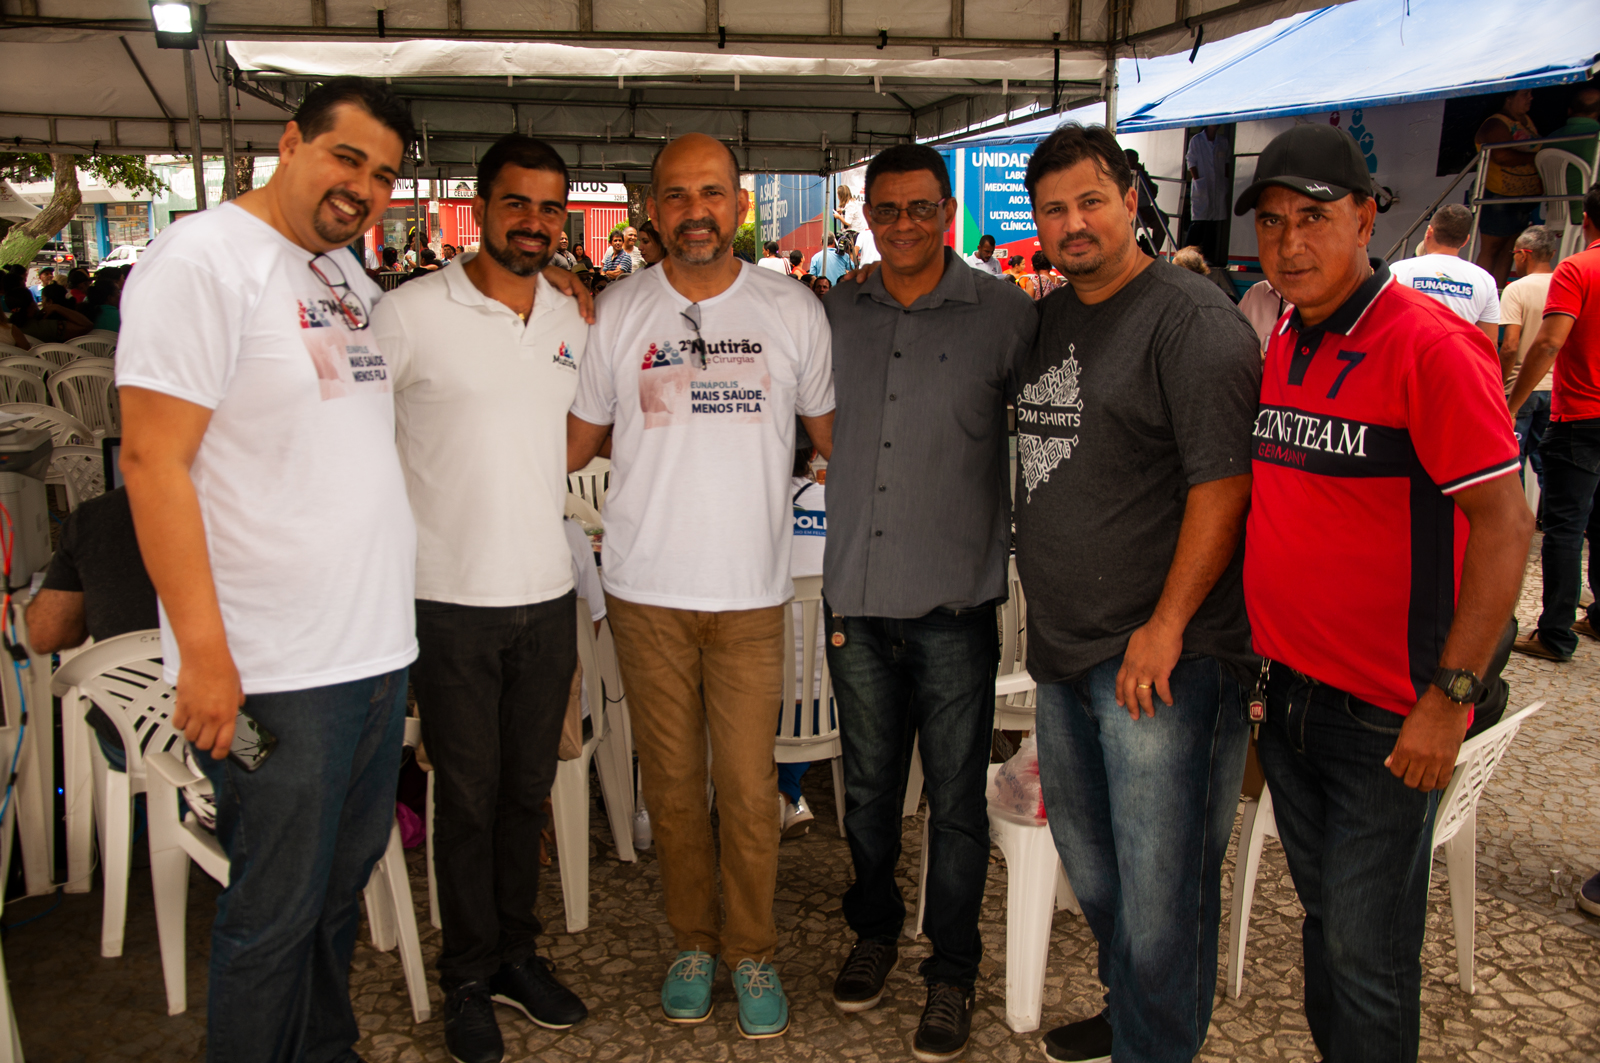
column 893, row 680
column 1360, row 846
column 1571, row 453
column 492, row 687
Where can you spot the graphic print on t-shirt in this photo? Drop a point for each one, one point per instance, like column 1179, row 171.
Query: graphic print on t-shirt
column 345, row 365
column 1051, row 402
column 734, row 386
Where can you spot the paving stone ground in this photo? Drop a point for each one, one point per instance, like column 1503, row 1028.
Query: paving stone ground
column 1538, row 957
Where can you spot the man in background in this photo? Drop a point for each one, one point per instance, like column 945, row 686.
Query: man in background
column 1521, row 311
column 983, row 257
column 1440, row 272
column 630, row 242
column 1569, row 339
column 830, row 262
column 1208, row 162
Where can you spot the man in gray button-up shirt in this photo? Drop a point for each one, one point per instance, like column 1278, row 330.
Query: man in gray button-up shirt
column 919, row 523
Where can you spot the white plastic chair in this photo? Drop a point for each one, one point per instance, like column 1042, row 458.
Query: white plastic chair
column 79, row 471
column 8, row 351
column 176, row 839
column 58, row 353
column 569, row 796
column 1553, row 164
column 591, row 482
column 88, row 391
column 610, row 747
column 808, row 724
column 39, row 367
column 19, row 385
column 1455, row 827
column 63, row 427
column 99, row 343
column 10, row 1040
column 123, row 677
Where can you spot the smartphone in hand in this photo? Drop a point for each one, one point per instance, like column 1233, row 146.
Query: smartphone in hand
column 252, row 743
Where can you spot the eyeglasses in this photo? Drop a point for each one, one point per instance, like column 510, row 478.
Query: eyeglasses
column 350, row 304
column 691, row 314
column 920, row 210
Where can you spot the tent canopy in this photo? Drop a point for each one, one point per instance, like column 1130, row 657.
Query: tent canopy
column 796, row 87
column 1371, row 53
column 12, row 205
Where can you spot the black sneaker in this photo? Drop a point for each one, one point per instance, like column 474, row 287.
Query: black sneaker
column 1589, row 895
column 860, row 982
column 531, row 988
column 1084, row 1041
column 945, row 1025
column 470, row 1032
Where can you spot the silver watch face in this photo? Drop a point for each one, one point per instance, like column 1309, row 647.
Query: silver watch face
column 1460, row 687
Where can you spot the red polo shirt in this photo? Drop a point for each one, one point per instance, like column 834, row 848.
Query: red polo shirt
column 1575, row 291
column 1368, row 423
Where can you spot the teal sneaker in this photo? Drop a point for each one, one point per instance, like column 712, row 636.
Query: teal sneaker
column 763, row 1009
column 686, row 992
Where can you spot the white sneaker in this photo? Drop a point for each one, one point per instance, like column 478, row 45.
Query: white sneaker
column 641, row 829
column 797, row 817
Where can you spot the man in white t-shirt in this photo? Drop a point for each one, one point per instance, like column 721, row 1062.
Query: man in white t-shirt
column 1442, row 273
column 258, row 450
column 1208, row 163
column 1521, row 312
column 983, row 258
column 770, row 258
column 697, row 369
column 485, row 363
column 630, row 243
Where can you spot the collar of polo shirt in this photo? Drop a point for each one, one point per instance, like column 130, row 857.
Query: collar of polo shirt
column 955, row 286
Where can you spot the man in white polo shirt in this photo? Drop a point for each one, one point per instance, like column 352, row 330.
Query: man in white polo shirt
column 698, row 368
column 1441, row 272
column 485, row 357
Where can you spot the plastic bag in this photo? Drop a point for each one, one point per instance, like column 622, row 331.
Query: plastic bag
column 1015, row 789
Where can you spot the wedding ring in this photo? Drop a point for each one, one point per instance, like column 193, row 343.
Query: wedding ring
column 1143, row 686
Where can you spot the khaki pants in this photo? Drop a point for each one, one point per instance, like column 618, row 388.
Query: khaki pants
column 689, row 674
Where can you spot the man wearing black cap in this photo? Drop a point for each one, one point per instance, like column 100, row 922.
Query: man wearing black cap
column 1384, row 550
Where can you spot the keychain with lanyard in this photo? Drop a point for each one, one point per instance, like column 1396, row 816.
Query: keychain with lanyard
column 1258, row 697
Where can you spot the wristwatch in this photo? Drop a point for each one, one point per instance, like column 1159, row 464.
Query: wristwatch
column 1460, row 685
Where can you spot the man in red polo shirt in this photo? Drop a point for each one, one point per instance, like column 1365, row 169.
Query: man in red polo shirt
column 1569, row 337
column 1383, row 555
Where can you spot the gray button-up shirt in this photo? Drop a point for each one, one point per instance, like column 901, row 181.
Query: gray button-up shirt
column 919, row 505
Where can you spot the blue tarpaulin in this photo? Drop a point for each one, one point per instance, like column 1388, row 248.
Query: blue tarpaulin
column 1372, row 53
column 1366, row 53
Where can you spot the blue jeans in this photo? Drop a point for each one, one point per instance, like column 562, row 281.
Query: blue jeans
column 1141, row 812
column 893, row 680
column 1360, row 848
column 1533, row 421
column 302, row 834
column 1571, row 452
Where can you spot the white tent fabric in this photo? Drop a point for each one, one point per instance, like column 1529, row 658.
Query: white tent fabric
column 12, row 205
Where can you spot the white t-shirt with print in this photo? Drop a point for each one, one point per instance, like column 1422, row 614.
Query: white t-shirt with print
column 1465, row 288
column 312, row 546
column 698, row 512
column 481, row 405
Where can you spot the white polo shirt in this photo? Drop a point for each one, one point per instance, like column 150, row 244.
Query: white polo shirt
column 481, row 424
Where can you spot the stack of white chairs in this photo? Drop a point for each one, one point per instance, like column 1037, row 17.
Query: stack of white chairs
column 59, row 353
column 1455, row 827
column 87, row 389
column 39, row 367
column 808, row 723
column 101, row 343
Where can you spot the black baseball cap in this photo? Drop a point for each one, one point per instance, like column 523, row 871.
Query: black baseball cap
column 1316, row 160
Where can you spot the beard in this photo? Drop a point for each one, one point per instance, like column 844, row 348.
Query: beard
column 698, row 256
column 334, row 227
column 521, row 263
column 1095, row 261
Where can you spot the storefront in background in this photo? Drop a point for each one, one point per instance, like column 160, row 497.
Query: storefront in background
column 593, row 210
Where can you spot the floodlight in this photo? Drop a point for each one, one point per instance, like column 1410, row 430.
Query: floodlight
column 177, row 25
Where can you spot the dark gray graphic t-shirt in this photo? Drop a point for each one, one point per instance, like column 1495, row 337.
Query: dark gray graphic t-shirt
column 1123, row 406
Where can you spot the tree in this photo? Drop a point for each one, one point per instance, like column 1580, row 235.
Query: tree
column 744, row 241
column 23, row 241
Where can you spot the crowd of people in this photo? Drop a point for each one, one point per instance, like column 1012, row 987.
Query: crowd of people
column 55, row 311
column 1311, row 529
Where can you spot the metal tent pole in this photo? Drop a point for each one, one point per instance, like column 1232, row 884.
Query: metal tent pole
column 194, row 129
column 230, row 180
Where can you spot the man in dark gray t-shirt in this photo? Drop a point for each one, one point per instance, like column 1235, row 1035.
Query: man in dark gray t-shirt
column 924, row 358
column 1134, row 421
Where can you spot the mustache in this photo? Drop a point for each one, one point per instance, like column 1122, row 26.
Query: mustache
column 528, row 234
column 1084, row 235
column 698, row 223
